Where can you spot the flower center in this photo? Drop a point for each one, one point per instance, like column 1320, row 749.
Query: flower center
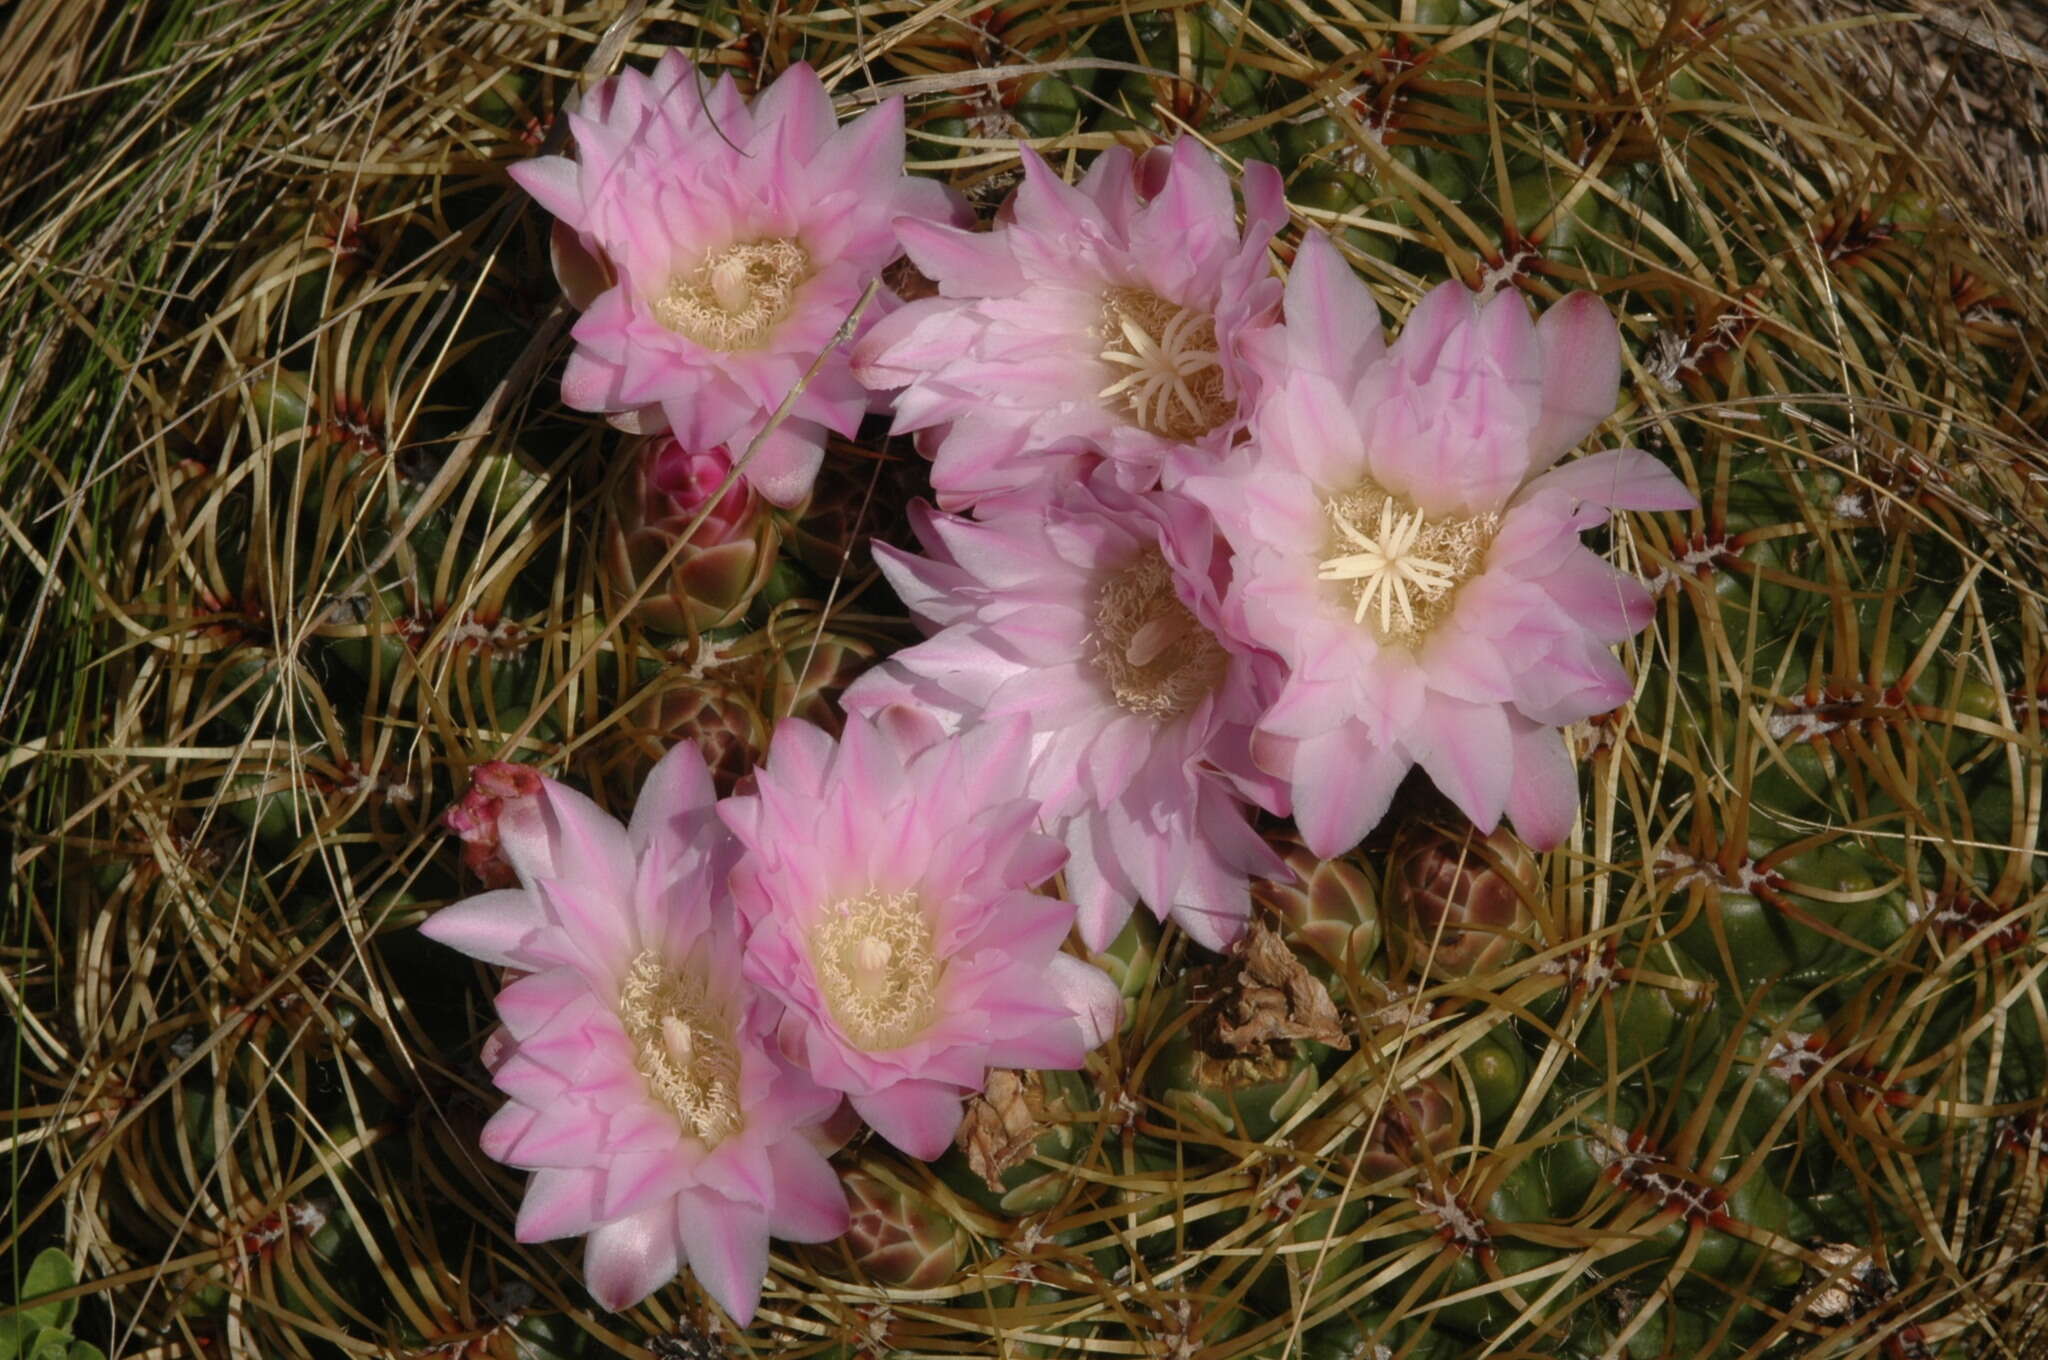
column 1399, row 568
column 736, row 296
column 1157, row 657
column 683, row 1043
column 1174, row 384
column 875, row 966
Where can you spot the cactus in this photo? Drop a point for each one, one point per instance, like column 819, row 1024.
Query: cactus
column 1752, row 1067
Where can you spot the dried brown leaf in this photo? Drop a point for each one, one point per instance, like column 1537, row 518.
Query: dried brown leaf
column 1002, row 1123
column 1277, row 999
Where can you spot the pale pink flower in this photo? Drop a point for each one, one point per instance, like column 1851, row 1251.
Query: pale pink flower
column 719, row 245
column 887, row 890
column 1107, row 314
column 647, row 1095
column 1401, row 539
column 1096, row 621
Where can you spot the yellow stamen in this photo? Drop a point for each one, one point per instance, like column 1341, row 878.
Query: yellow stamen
column 876, row 968
column 1157, row 657
column 682, row 1038
column 1175, row 385
column 734, row 298
column 1401, row 562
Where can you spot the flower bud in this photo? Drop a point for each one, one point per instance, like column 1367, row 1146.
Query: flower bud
column 1330, row 911
column 475, row 818
column 1458, row 904
column 726, row 726
column 709, row 581
column 898, row 1237
column 1416, row 1125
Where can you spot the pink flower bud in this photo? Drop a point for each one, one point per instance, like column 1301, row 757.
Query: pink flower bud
column 708, row 581
column 475, row 818
column 677, row 484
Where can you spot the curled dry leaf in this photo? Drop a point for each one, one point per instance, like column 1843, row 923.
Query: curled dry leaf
column 908, row 282
column 1002, row 1124
column 1276, row 998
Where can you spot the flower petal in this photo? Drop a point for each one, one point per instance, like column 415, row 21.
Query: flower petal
column 726, row 1245
column 558, row 1203
column 1581, row 375
column 810, row 1202
column 555, row 184
column 1342, row 784
column 1621, row 479
column 1333, row 324
column 597, row 916
column 1089, row 993
column 497, row 927
column 1464, row 747
column 796, row 106
column 917, row 1117
column 1607, row 603
column 572, row 831
column 1307, row 425
column 1543, row 801
column 782, row 463
column 675, row 795
column 963, row 263
column 528, row 1004
column 629, row 1258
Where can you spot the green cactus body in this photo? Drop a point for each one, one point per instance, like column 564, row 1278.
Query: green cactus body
column 1246, row 1096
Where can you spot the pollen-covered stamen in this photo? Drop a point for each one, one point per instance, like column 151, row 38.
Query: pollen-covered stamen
column 1174, row 386
column 734, row 297
column 1155, row 654
column 1398, row 567
column 876, row 969
column 682, row 1038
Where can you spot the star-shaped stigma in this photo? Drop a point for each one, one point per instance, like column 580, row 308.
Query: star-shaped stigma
column 1171, row 352
column 1388, row 567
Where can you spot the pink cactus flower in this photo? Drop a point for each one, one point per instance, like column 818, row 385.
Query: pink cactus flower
column 719, row 245
column 1403, row 542
column 1104, row 315
column 1097, row 621
column 887, row 890
column 647, row 1094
